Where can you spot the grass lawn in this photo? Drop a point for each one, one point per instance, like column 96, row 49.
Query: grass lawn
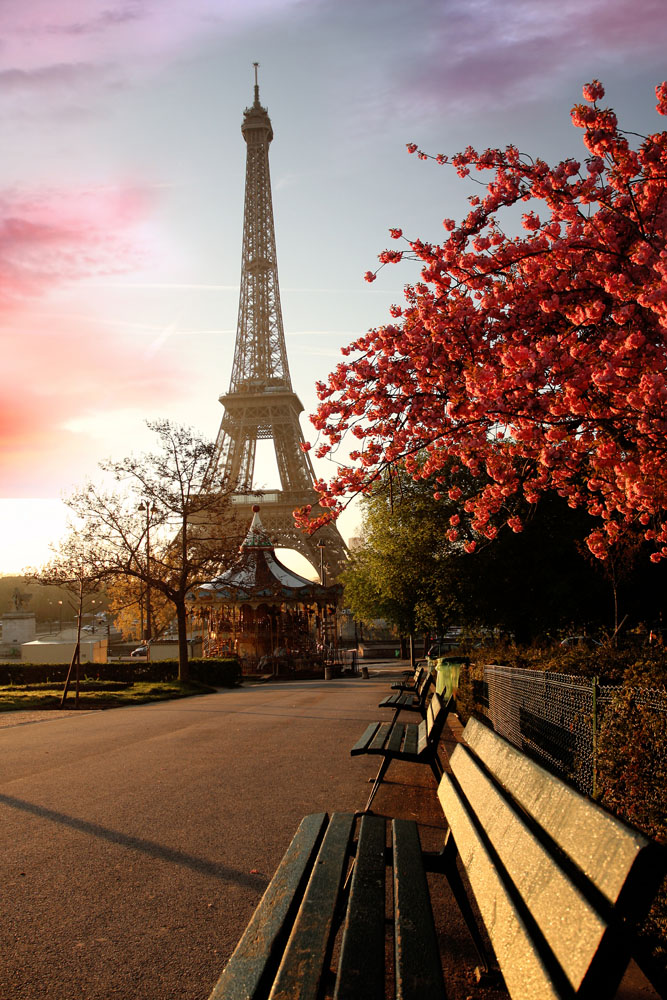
column 95, row 694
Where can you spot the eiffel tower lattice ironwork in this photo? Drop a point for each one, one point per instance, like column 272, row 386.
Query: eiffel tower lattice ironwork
column 261, row 403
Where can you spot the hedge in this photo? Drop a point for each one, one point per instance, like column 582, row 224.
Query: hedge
column 215, row 673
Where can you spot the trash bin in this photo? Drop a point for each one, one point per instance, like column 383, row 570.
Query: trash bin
column 328, row 673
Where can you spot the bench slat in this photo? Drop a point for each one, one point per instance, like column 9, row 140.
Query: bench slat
column 362, row 743
column 396, row 700
column 361, row 965
column 411, row 738
column 256, row 956
column 581, row 828
column 380, row 738
column 418, row 967
column 308, row 948
column 389, row 701
column 395, row 740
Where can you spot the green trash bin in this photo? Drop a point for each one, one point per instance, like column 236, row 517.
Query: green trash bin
column 447, row 673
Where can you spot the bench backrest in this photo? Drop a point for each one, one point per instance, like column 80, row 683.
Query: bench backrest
column 418, row 676
column 430, row 728
column 554, row 875
column 423, row 688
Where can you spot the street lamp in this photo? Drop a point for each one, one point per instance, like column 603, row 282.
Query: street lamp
column 147, row 631
column 322, row 546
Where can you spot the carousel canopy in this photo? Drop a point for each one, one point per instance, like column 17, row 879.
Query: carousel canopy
column 258, row 576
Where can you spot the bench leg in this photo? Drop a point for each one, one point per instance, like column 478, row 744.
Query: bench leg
column 378, row 781
column 436, row 766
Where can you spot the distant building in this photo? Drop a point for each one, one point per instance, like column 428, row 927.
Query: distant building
column 17, row 627
column 54, row 651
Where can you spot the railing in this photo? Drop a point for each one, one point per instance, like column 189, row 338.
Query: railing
column 556, row 718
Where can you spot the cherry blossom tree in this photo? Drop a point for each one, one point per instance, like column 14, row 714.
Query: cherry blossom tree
column 535, row 362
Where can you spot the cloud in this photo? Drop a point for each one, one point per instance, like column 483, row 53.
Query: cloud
column 133, row 33
column 67, row 61
column 58, row 368
column 448, row 57
column 50, row 237
column 63, row 76
column 496, row 51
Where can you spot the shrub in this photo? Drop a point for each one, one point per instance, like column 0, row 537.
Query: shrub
column 632, row 783
column 217, row 673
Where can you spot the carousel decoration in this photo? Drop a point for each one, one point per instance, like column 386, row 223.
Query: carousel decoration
column 264, row 613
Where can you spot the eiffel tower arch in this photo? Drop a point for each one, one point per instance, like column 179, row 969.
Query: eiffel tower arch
column 261, row 403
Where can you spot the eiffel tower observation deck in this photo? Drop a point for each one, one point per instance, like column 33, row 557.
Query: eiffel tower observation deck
column 261, row 403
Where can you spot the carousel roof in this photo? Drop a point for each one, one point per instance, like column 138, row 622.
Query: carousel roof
column 258, row 575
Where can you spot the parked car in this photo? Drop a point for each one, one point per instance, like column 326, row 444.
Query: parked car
column 583, row 641
column 140, row 651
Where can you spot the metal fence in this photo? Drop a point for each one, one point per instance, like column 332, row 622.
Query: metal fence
column 556, row 717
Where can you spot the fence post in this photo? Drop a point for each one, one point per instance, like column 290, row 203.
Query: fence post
column 595, row 734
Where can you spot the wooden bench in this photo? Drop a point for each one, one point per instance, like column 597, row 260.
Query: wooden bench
column 559, row 882
column 408, row 700
column 412, row 680
column 414, row 742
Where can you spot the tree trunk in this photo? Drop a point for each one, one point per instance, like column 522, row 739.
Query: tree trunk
column 182, row 620
column 76, row 655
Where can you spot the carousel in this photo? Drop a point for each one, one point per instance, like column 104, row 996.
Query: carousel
column 266, row 614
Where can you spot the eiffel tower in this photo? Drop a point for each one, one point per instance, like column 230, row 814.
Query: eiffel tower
column 260, row 403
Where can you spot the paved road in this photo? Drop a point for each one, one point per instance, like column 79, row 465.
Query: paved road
column 137, row 841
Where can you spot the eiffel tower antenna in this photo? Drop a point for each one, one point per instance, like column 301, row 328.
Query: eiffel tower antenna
column 260, row 403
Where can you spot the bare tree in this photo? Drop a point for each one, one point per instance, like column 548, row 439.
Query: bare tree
column 78, row 566
column 170, row 523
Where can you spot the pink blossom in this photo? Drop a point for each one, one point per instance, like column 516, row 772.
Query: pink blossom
column 593, row 91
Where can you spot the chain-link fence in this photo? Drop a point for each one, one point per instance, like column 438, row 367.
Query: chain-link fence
column 554, row 717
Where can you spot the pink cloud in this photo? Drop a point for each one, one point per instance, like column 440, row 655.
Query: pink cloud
column 57, row 370
column 50, row 237
column 39, row 33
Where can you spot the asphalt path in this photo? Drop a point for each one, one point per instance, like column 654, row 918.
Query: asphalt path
column 137, row 841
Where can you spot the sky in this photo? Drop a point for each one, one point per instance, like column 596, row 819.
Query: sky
column 122, row 183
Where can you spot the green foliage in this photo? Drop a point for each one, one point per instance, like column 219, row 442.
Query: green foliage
column 219, row 673
column 536, row 584
column 402, row 572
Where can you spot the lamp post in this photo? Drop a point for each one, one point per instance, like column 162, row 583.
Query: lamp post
column 321, row 546
column 60, row 610
column 147, row 631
